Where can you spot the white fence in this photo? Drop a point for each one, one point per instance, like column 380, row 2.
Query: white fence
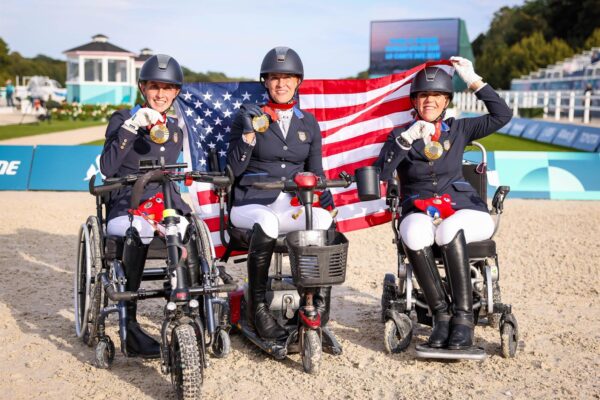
column 555, row 104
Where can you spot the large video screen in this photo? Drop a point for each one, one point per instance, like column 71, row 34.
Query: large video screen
column 400, row 45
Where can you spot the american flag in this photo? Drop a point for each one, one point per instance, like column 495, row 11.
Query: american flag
column 355, row 117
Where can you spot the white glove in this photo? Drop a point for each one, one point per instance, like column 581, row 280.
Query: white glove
column 143, row 117
column 419, row 130
column 465, row 70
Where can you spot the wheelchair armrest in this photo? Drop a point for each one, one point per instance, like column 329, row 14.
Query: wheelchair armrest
column 498, row 201
column 392, row 193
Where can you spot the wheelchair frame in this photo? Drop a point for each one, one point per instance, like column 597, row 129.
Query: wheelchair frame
column 402, row 303
column 195, row 317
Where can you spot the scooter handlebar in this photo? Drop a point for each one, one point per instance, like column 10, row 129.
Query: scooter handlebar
column 291, row 186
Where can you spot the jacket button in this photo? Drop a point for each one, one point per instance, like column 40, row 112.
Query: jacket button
column 283, row 178
column 282, row 165
column 430, row 162
column 434, row 183
column 285, row 147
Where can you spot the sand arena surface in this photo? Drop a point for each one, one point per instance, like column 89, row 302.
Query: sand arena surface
column 549, row 259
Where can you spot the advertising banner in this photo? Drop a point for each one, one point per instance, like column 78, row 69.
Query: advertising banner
column 15, row 166
column 64, row 167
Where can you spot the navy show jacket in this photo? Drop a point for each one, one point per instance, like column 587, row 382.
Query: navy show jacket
column 121, row 156
column 273, row 157
column 422, row 178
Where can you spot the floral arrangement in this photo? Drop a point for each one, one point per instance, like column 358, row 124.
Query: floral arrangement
column 83, row 112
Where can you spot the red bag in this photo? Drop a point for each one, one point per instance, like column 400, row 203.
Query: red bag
column 436, row 207
column 152, row 208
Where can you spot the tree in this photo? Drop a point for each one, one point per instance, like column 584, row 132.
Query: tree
column 593, row 40
column 535, row 52
column 522, row 39
column 4, row 60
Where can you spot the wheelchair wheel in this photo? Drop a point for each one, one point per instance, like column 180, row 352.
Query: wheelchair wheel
column 221, row 346
column 390, row 293
column 186, row 366
column 509, row 336
column 96, row 302
column 89, row 264
column 397, row 334
column 312, row 351
column 204, row 241
column 105, row 353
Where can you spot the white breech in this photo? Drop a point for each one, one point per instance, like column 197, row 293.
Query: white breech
column 278, row 217
column 418, row 230
column 119, row 225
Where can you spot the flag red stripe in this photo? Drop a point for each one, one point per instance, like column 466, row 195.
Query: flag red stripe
column 207, row 197
column 387, row 108
column 351, row 196
column 357, row 86
column 333, row 113
column 334, row 173
column 357, row 142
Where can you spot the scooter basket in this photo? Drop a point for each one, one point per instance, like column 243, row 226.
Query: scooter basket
column 315, row 259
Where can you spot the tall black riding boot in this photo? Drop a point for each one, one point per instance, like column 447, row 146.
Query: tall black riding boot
column 456, row 261
column 138, row 343
column 259, row 261
column 429, row 279
column 322, row 301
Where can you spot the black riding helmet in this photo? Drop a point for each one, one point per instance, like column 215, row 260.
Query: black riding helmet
column 161, row 68
column 281, row 60
column 432, row 79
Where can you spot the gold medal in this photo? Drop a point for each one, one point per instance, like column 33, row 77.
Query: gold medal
column 433, row 150
column 260, row 123
column 159, row 133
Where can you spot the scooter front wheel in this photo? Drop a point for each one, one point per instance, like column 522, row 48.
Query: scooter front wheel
column 311, row 351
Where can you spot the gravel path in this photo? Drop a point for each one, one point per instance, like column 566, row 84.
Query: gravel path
column 549, row 256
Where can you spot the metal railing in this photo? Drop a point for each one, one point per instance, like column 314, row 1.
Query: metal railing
column 553, row 104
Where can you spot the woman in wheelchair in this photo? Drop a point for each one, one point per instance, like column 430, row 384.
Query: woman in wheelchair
column 438, row 205
column 144, row 133
column 274, row 142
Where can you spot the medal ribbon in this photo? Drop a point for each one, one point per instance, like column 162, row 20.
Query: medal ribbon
column 278, row 106
column 270, row 108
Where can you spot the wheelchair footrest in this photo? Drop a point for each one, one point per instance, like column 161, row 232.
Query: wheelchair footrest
column 473, row 353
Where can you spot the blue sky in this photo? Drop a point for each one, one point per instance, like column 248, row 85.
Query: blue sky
column 332, row 37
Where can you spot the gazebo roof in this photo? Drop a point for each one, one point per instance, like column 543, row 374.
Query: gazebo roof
column 145, row 54
column 99, row 43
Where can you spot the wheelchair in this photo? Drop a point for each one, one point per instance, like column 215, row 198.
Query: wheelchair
column 402, row 303
column 195, row 316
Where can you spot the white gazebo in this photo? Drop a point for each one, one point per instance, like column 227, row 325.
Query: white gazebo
column 99, row 72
